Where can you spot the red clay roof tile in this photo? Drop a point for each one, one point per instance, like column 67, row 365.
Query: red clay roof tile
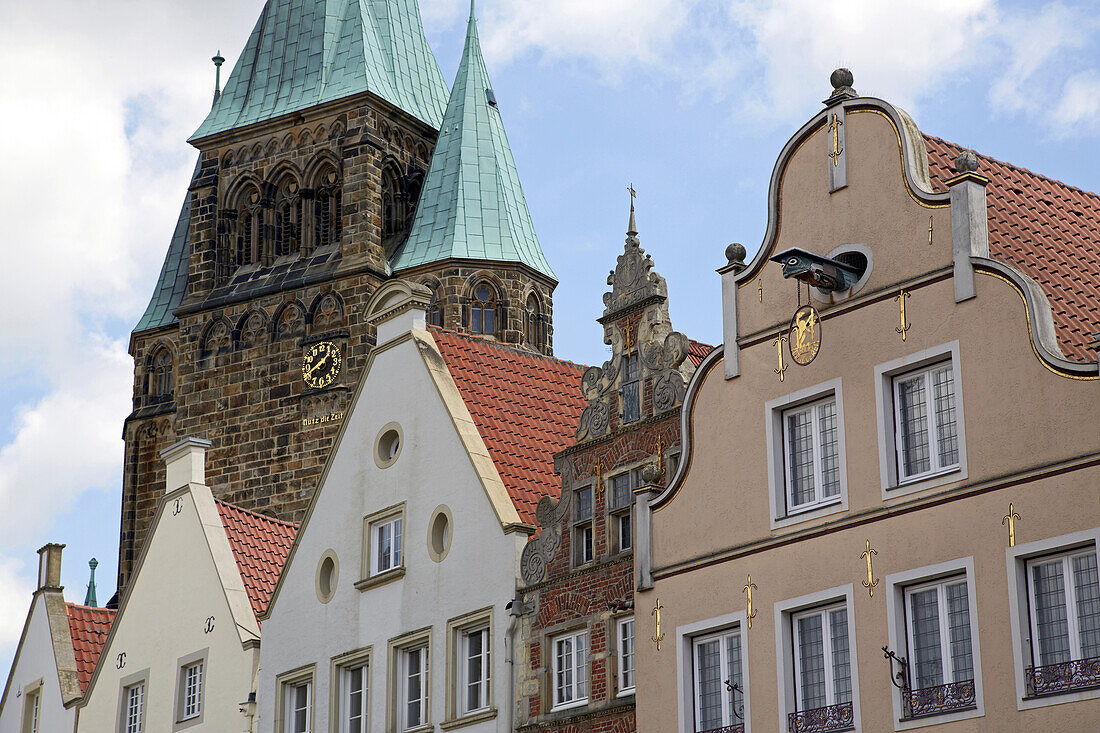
column 1047, row 229
column 697, row 351
column 88, row 628
column 525, row 406
column 261, row 545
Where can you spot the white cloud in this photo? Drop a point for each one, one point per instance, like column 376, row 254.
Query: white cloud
column 1080, row 103
column 15, row 600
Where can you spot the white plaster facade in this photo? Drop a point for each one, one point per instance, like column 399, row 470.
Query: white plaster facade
column 186, row 602
column 442, row 466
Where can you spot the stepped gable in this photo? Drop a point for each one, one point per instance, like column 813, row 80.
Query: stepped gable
column 1047, row 229
column 88, row 627
column 303, row 53
column 525, row 407
column 472, row 205
column 260, row 545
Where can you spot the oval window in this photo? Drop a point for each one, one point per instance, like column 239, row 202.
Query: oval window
column 439, row 533
column 388, row 446
column 326, row 577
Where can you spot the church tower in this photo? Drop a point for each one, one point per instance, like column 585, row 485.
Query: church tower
column 318, row 179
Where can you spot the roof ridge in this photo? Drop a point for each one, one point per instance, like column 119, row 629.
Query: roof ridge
column 81, row 606
column 1013, row 166
column 510, row 347
column 257, row 515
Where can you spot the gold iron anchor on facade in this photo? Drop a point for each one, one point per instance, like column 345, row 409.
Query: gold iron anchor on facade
column 870, row 583
column 750, row 612
column 656, row 613
column 779, row 350
column 901, row 296
column 834, row 130
column 1010, row 520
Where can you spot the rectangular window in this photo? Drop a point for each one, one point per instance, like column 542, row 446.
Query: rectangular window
column 631, row 397
column 386, row 540
column 353, row 698
column 1064, row 598
column 473, row 671
column 925, row 425
column 937, row 620
column 624, row 636
column 811, row 455
column 412, row 678
column 191, row 689
column 584, row 533
column 31, row 710
column 570, row 670
column 297, row 703
column 135, row 708
column 718, row 692
column 622, row 504
column 823, row 675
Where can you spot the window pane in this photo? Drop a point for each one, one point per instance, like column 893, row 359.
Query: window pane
column 811, row 668
column 475, row 320
column 947, row 441
column 631, row 405
column 355, row 700
column 1088, row 604
column 474, row 671
column 625, row 537
column 620, row 490
column 958, row 621
column 733, row 670
column 709, row 665
column 413, row 692
column 912, row 410
column 927, row 653
column 487, row 316
column 582, row 666
column 384, row 546
column 842, row 667
column 830, row 449
column 1050, row 612
column 801, row 458
column 626, row 654
column 584, row 503
column 565, row 670
column 397, row 542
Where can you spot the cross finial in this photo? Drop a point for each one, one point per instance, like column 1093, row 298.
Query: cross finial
column 632, row 228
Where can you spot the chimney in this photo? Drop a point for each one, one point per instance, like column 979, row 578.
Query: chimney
column 49, row 567
column 969, row 225
column 397, row 308
column 185, row 463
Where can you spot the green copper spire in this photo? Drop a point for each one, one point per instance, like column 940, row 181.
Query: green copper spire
column 472, row 205
column 305, row 52
column 90, row 599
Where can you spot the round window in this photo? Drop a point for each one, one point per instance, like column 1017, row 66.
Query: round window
column 439, row 533
column 327, row 571
column 855, row 256
column 388, row 446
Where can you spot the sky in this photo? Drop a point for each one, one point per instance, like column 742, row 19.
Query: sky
column 690, row 101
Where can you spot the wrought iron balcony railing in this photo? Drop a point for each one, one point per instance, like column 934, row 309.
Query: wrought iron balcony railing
column 822, row 720
column 927, row 701
column 1055, row 679
column 738, row 728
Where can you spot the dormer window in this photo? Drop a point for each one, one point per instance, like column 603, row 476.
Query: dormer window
column 483, row 308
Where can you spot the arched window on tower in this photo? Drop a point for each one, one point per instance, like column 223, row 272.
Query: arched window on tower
column 327, row 210
column 483, row 309
column 160, row 376
column 288, row 218
column 532, row 322
column 247, row 243
column 393, row 210
column 435, row 310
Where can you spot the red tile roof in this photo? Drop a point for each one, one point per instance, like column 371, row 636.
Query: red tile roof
column 88, row 628
column 261, row 545
column 526, row 407
column 1047, row 229
column 697, row 351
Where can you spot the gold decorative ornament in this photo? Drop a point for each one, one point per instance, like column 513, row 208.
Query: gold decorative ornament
column 804, row 336
column 658, row 637
column 779, row 350
column 929, row 231
column 900, row 297
column 321, row 364
column 834, row 130
column 870, row 583
column 1010, row 520
column 629, row 336
column 760, row 288
column 750, row 612
column 660, row 455
column 599, row 481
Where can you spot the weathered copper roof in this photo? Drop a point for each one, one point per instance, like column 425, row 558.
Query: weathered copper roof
column 1047, row 229
column 261, row 545
column 88, row 627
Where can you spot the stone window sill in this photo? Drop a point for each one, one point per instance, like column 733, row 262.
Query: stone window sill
column 381, row 579
column 471, row 719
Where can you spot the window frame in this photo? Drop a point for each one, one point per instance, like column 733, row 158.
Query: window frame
column 617, row 513
column 774, row 411
column 371, row 576
column 181, row 719
column 581, row 525
column 555, row 692
column 885, row 374
column 686, row 636
column 339, row 666
column 819, row 499
column 284, row 683
column 824, row 612
column 1016, row 561
column 31, row 720
column 1069, row 587
column 630, row 357
column 935, row 468
column 898, row 634
column 621, row 671
column 482, row 306
column 396, row 680
column 137, row 679
column 457, row 630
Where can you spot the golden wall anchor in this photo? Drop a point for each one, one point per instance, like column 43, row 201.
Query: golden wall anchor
column 1010, row 520
column 660, row 455
column 930, row 231
column 901, row 296
column 779, row 350
column 658, row 637
column 834, row 130
column 750, row 612
column 599, row 481
column 870, row 583
column 760, row 288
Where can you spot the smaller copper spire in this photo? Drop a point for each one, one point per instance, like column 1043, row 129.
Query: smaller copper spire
column 632, row 227
column 218, row 60
column 89, row 598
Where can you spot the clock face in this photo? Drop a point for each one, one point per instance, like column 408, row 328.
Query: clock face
column 321, row 364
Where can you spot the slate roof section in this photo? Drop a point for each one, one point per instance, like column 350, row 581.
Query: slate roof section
column 525, row 406
column 306, row 52
column 1047, row 229
column 171, row 287
column 261, row 545
column 697, row 351
column 88, row 627
column 472, row 205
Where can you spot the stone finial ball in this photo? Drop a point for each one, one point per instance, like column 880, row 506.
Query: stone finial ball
column 967, row 162
column 650, row 474
column 735, row 253
column 841, row 78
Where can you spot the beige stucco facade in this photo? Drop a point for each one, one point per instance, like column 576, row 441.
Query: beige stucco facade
column 1027, row 436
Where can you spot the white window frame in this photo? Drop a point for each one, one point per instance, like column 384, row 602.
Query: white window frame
column 396, row 526
column 32, row 708
column 192, row 698
column 823, row 612
column 583, row 526
column 404, row 673
column 819, row 499
column 627, row 675
column 127, row 723
column 1070, row 588
column 575, row 700
column 342, row 667
column 776, row 443
column 685, row 665
column 898, row 633
column 285, row 684
column 940, row 586
column 935, row 467
column 463, row 670
column 786, row 669
column 728, row 718
column 893, row 485
column 1018, row 599
column 458, row 630
column 289, row 705
column 617, row 513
